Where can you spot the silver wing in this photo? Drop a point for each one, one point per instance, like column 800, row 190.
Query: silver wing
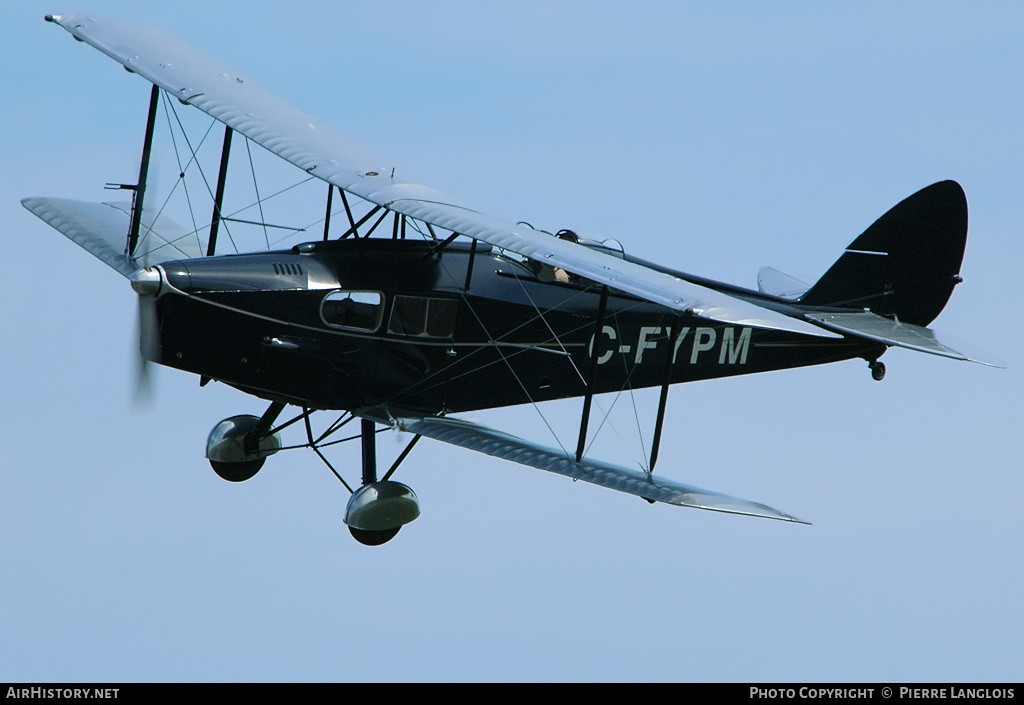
column 498, row 444
column 308, row 144
column 100, row 229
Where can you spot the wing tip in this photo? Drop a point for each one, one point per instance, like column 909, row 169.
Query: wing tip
column 756, row 510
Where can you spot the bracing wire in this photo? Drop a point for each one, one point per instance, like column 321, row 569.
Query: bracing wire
column 557, row 339
column 199, row 166
column 183, row 170
column 256, row 187
column 425, row 384
column 168, row 108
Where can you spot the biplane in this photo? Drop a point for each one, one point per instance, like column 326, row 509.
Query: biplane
column 417, row 307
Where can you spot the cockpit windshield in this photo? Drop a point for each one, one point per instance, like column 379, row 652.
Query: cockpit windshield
column 353, row 310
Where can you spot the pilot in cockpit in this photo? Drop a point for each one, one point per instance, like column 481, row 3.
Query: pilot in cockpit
column 546, row 273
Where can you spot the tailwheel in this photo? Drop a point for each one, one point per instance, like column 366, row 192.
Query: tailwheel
column 877, row 370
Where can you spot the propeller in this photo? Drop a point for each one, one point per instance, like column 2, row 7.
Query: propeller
column 147, row 283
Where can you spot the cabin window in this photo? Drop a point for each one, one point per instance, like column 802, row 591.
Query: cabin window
column 423, row 317
column 353, row 310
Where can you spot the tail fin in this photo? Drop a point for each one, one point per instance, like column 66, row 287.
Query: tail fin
column 906, row 264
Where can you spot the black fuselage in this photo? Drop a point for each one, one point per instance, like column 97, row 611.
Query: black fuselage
column 399, row 323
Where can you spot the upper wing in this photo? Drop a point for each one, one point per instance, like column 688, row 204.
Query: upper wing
column 296, row 137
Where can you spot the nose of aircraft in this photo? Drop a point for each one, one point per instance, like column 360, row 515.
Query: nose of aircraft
column 147, row 282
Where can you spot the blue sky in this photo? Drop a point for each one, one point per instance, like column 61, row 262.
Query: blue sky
column 717, row 137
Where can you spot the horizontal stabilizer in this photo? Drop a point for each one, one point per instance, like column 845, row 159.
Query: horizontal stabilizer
column 775, row 283
column 651, row 487
column 102, row 230
column 904, row 335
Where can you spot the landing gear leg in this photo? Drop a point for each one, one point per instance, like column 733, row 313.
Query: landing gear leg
column 253, row 438
column 378, row 509
column 368, row 434
column 368, row 431
column 877, row 370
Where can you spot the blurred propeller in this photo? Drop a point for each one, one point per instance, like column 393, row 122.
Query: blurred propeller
column 147, row 328
column 146, row 283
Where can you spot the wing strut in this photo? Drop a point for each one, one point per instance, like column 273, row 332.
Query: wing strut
column 469, row 267
column 327, row 218
column 354, row 230
column 218, row 199
column 595, row 353
column 348, row 212
column 140, row 188
column 663, row 401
